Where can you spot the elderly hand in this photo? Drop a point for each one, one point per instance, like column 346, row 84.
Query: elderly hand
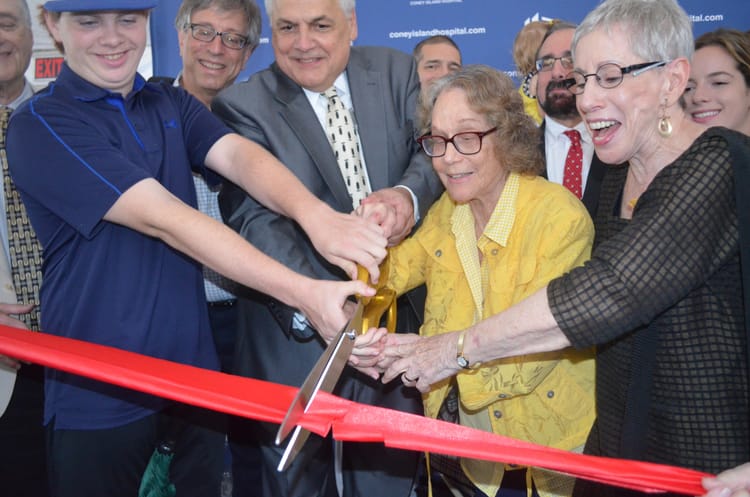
column 367, row 352
column 347, row 240
column 733, row 482
column 6, row 319
column 397, row 218
column 420, row 361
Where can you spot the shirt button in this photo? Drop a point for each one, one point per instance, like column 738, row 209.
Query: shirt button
column 438, row 253
column 494, row 251
column 498, row 414
column 550, row 394
column 502, row 396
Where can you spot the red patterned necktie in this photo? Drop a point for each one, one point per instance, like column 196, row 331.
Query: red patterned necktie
column 25, row 251
column 572, row 179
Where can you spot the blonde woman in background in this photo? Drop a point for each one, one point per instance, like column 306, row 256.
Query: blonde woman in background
column 525, row 46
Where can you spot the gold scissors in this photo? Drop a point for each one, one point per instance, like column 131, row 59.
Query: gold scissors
column 327, row 370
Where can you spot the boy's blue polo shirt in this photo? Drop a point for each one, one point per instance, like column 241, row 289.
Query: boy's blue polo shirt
column 73, row 150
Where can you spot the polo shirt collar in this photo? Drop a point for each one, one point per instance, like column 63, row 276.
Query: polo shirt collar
column 88, row 92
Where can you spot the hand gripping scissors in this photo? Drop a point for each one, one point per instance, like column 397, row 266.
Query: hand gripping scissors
column 327, row 371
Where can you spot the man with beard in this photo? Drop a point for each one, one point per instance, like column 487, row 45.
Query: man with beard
column 568, row 148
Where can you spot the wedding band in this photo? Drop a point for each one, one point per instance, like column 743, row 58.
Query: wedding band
column 408, row 380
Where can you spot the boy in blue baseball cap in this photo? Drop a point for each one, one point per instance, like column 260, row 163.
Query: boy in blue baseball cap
column 103, row 161
column 98, row 5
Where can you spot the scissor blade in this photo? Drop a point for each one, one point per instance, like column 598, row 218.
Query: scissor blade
column 324, row 376
column 296, row 441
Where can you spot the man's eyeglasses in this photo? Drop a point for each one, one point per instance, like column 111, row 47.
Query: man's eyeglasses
column 466, row 142
column 205, row 33
column 608, row 75
column 547, row 63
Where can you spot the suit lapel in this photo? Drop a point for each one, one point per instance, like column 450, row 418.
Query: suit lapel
column 543, row 147
column 369, row 109
column 299, row 115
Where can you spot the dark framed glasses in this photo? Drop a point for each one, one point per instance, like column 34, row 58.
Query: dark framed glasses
column 202, row 32
column 609, row 75
column 465, row 143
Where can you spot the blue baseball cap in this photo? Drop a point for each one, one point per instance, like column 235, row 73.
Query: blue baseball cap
column 97, row 5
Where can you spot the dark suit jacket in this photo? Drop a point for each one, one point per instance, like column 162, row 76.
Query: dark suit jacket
column 593, row 182
column 272, row 110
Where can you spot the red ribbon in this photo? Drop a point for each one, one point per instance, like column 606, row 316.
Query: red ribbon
column 350, row 421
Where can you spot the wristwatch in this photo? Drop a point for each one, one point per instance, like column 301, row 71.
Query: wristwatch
column 461, row 360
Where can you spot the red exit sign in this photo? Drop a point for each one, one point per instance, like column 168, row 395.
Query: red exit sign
column 47, row 67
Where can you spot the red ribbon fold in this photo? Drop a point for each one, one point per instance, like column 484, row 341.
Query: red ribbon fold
column 349, row 421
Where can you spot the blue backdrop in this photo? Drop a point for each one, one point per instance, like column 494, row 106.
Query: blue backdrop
column 484, row 29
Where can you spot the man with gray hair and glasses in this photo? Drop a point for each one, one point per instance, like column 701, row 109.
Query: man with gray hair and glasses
column 216, row 39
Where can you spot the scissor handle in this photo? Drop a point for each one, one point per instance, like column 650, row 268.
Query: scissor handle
column 362, row 274
column 384, row 301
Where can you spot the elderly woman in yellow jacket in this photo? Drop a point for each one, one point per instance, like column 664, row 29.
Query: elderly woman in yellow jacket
column 499, row 233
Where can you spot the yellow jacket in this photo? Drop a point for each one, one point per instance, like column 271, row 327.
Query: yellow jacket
column 537, row 232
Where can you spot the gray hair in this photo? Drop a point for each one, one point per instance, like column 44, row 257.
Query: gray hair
column 657, row 29
column 346, row 5
column 493, row 95
column 248, row 7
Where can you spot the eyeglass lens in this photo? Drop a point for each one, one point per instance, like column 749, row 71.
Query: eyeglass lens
column 608, row 75
column 207, row 34
column 547, row 63
column 466, row 143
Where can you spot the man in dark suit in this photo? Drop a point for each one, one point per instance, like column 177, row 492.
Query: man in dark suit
column 553, row 63
column 283, row 108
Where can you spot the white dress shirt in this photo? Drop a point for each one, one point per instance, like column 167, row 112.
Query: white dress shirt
column 319, row 104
